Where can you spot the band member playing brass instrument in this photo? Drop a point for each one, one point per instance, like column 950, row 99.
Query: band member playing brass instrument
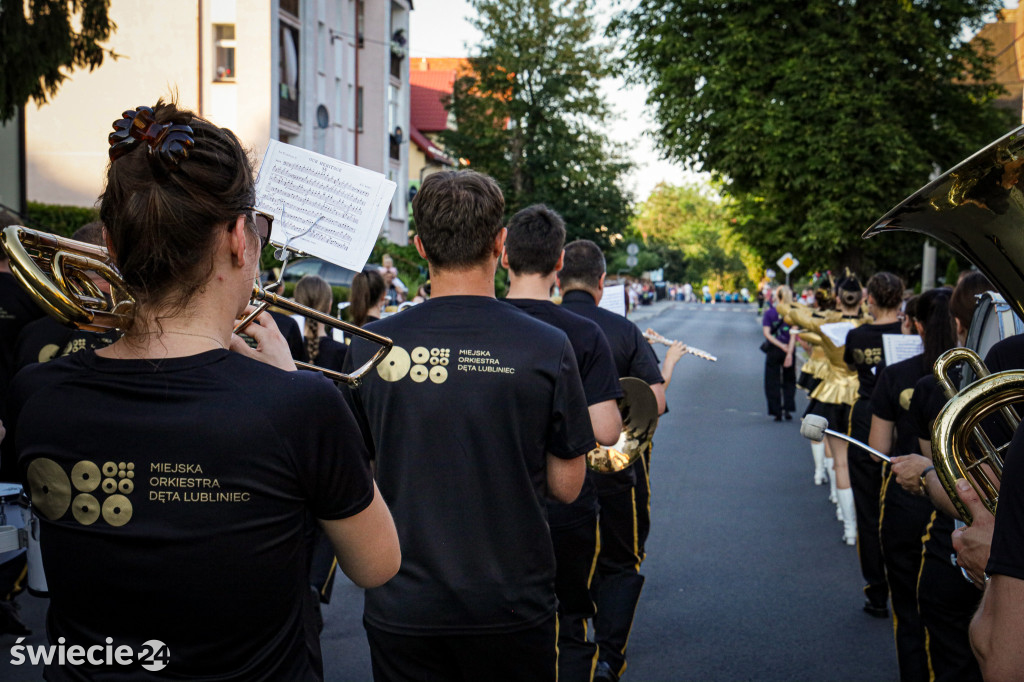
column 173, row 495
column 623, row 497
column 533, row 255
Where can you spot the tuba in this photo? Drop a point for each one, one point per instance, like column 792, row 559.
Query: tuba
column 56, row 271
column 977, row 208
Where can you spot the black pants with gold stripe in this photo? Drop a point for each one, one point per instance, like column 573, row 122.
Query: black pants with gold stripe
column 947, row 603
column 866, row 482
column 618, row 583
column 904, row 519
column 576, row 549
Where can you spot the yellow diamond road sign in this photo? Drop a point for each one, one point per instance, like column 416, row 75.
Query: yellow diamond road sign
column 788, row 263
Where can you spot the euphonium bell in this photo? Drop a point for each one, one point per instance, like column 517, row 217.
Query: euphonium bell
column 56, row 272
column 960, row 448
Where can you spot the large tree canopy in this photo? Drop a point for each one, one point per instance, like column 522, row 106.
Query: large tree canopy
column 41, row 40
column 820, row 115
column 529, row 113
column 696, row 235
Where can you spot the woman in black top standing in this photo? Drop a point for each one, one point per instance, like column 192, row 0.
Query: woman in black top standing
column 865, row 353
column 904, row 517
column 314, row 292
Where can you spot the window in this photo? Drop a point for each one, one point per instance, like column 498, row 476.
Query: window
column 224, row 52
column 289, row 72
column 359, row 109
column 394, row 123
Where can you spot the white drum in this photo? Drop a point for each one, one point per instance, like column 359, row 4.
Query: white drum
column 11, row 508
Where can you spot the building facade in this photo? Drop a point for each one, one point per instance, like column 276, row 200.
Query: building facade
column 326, row 75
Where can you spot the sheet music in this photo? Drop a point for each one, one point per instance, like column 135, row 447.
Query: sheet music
column 614, row 299
column 899, row 347
column 298, row 187
column 837, row 331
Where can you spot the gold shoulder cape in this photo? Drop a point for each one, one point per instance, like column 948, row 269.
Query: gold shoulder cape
column 838, row 382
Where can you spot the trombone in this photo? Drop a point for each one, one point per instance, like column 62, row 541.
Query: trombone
column 55, row 272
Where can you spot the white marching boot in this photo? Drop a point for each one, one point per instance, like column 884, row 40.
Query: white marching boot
column 849, row 515
column 818, row 453
column 830, row 471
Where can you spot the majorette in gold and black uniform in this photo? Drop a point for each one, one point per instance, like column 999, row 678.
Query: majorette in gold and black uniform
column 837, row 391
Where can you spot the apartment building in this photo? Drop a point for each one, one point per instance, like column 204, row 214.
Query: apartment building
column 326, row 75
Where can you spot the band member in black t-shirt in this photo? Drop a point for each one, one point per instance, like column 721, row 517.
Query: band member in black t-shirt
column 904, row 516
column 624, row 513
column 533, row 255
column 865, row 353
column 945, row 600
column 172, row 495
column 475, row 417
column 314, row 292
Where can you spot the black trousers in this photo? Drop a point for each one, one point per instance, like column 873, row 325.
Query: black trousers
column 904, row 520
column 521, row 656
column 643, row 502
column 576, row 558
column 947, row 602
column 779, row 382
column 866, row 482
column 618, row 583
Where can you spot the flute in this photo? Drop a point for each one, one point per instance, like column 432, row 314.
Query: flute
column 658, row 338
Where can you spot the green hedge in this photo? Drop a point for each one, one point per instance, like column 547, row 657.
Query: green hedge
column 62, row 220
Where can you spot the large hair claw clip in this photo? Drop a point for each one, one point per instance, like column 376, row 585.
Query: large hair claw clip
column 168, row 142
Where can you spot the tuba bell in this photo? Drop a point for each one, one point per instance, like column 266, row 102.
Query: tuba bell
column 977, row 209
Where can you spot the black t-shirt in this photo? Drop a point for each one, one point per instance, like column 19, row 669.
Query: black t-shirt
column 47, row 339
column 174, row 500
column 17, row 308
column 864, row 351
column 633, row 356
column 1007, row 554
column 600, row 383
column 292, row 334
column 462, row 414
column 891, row 400
column 331, row 354
column 925, row 406
column 1006, row 354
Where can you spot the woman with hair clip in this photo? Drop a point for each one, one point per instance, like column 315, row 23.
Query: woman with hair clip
column 904, row 516
column 945, row 599
column 866, row 355
column 779, row 370
column 811, row 374
column 367, row 297
column 314, row 292
column 837, row 391
column 175, row 491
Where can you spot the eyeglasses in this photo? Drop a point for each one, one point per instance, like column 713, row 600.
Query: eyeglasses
column 262, row 222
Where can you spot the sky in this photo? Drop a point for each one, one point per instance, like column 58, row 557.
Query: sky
column 438, row 28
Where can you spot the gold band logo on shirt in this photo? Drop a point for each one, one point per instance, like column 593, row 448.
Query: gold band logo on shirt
column 420, row 365
column 51, row 488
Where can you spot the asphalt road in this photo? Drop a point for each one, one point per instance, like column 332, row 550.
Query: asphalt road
column 746, row 576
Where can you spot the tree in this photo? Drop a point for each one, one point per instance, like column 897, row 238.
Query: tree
column 817, row 116
column 697, row 237
column 38, row 49
column 529, row 114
